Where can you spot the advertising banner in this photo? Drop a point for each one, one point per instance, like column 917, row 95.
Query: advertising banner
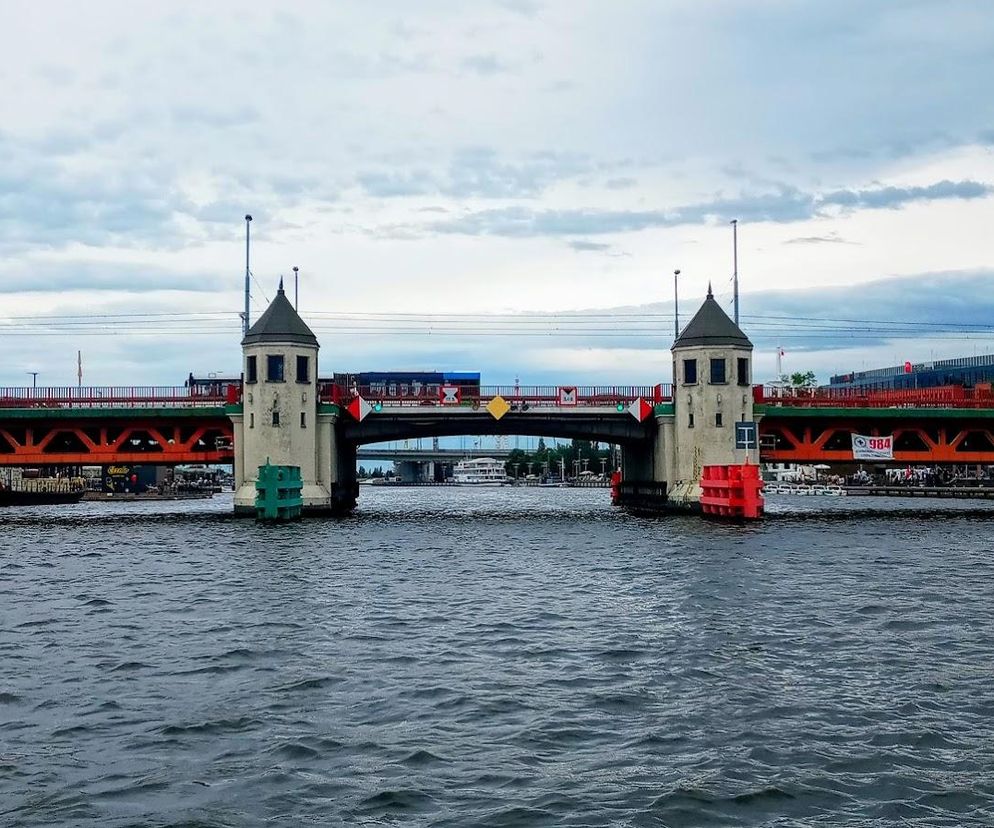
column 872, row 448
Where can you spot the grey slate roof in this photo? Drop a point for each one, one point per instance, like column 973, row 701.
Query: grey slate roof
column 280, row 323
column 711, row 326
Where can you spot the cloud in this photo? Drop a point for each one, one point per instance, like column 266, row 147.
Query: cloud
column 893, row 197
column 584, row 246
column 214, row 116
column 488, row 64
column 63, row 275
column 529, row 8
column 831, row 238
column 621, row 183
column 478, row 172
column 783, row 206
column 522, row 222
column 162, row 125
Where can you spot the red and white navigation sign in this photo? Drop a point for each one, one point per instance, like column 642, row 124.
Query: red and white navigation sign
column 450, row 394
column 640, row 409
column 359, row 408
column 567, row 395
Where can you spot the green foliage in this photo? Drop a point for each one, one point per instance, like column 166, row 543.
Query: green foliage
column 800, row 379
column 549, row 460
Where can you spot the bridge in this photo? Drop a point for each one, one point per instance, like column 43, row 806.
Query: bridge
column 172, row 425
column 667, row 433
column 434, row 465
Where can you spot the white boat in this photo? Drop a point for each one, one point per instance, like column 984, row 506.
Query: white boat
column 483, row 471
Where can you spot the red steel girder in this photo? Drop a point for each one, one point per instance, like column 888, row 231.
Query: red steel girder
column 30, row 442
column 806, row 441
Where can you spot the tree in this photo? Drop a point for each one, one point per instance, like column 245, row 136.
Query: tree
column 800, row 379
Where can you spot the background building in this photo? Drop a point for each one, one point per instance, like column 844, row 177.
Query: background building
column 965, row 371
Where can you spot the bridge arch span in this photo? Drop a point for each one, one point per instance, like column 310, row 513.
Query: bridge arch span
column 614, row 427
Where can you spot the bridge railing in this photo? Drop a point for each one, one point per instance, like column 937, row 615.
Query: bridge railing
column 534, row 396
column 133, row 396
column 946, row 396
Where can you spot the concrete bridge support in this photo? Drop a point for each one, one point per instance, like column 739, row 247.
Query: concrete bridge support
column 280, row 422
column 415, row 471
column 712, row 366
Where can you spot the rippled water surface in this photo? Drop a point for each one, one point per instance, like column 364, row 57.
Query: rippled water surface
column 502, row 657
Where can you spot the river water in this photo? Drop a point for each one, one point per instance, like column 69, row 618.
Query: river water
column 451, row 657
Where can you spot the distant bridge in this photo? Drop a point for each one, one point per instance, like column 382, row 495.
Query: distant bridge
column 437, row 455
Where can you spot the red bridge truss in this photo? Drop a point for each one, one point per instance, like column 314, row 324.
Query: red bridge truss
column 950, row 424
column 102, row 426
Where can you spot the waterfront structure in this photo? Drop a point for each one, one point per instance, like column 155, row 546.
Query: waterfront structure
column 667, row 436
column 712, row 392
column 281, row 421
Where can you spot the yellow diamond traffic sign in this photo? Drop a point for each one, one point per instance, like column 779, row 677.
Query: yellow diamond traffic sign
column 498, row 407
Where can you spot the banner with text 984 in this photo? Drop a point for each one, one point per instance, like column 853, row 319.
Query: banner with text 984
column 872, row 448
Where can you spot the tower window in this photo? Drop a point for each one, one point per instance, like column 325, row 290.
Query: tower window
column 717, row 419
column 690, row 420
column 303, row 419
column 690, row 372
column 274, row 367
column 303, row 369
column 743, row 370
column 276, row 418
column 251, row 419
column 251, row 369
column 718, row 371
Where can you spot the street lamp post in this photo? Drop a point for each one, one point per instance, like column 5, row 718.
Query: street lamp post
column 676, row 307
column 34, row 378
column 735, row 267
column 245, row 321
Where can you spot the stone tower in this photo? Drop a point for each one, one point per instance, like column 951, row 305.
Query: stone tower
column 279, row 419
column 712, row 377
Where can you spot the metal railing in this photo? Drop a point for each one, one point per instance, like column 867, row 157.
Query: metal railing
column 520, row 397
column 133, row 396
column 946, row 396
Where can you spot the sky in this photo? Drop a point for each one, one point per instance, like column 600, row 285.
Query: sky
column 504, row 186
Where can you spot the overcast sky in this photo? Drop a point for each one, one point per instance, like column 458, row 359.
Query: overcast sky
column 491, row 157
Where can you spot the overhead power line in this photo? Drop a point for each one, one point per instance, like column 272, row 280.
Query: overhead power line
column 582, row 325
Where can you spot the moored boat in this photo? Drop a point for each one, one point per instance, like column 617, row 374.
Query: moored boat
column 41, row 493
column 482, row 471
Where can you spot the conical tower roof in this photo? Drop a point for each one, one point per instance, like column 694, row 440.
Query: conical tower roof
column 711, row 326
column 280, row 323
